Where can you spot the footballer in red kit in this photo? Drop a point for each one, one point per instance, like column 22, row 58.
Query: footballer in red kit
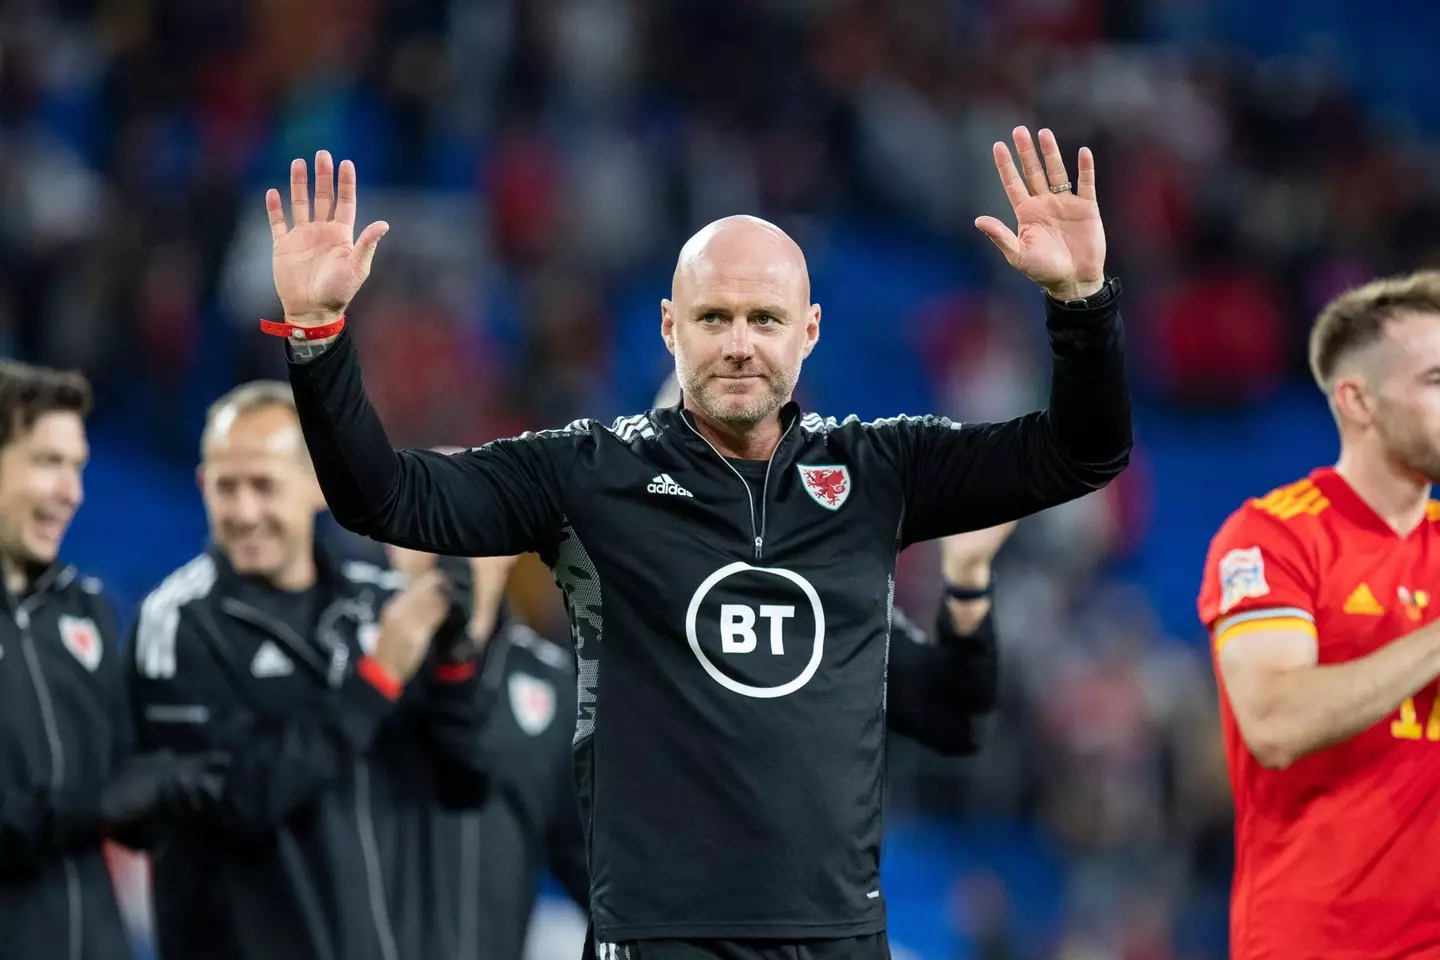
column 1319, row 598
column 1336, row 851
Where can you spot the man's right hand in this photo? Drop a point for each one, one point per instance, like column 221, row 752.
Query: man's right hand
column 162, row 785
column 409, row 621
column 319, row 267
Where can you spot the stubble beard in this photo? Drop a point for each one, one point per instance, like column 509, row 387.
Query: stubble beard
column 1411, row 449
column 710, row 397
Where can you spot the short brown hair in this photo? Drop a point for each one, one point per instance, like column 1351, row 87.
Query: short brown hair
column 247, row 398
column 28, row 392
column 1356, row 318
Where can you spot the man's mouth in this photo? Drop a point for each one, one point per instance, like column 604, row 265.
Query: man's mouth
column 51, row 524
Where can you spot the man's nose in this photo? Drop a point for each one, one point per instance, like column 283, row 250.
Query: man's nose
column 245, row 507
column 72, row 490
column 738, row 345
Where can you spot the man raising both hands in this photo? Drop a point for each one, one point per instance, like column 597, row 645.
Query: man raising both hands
column 728, row 564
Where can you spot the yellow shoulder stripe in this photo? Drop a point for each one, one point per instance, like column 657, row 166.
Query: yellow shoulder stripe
column 1292, row 500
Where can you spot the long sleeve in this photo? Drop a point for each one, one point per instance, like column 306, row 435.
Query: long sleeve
column 190, row 704
column 965, row 477
column 938, row 689
column 500, row 499
column 39, row 821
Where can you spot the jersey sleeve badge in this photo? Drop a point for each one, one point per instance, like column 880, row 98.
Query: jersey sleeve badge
column 1242, row 577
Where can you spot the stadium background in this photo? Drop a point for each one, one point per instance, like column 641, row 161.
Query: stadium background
column 541, row 160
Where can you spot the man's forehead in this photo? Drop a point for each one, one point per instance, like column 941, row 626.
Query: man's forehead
column 61, row 431
column 271, row 431
column 1414, row 327
column 724, row 289
column 741, row 257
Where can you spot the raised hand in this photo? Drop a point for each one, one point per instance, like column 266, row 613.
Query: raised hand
column 319, row 266
column 965, row 558
column 1059, row 241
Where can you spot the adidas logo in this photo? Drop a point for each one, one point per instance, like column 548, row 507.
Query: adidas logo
column 270, row 661
column 1362, row 601
column 664, row 484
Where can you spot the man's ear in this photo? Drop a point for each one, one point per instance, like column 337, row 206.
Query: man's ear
column 667, row 324
column 200, row 477
column 812, row 329
column 1351, row 401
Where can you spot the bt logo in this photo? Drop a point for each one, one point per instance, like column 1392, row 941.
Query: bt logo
column 737, row 627
column 747, row 630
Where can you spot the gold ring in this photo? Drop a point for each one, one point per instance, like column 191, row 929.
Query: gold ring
column 1062, row 188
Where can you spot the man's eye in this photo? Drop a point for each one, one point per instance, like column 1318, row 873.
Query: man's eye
column 765, row 318
column 711, row 318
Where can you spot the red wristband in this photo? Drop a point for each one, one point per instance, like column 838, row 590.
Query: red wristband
column 292, row 332
column 378, row 677
column 454, row 672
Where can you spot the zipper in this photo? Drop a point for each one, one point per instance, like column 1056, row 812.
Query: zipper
column 765, row 490
column 758, row 532
column 469, row 919
column 307, row 899
column 339, row 653
column 370, row 852
column 74, row 906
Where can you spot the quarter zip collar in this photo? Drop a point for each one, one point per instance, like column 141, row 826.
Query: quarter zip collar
column 46, row 580
column 683, row 422
column 789, row 418
column 331, row 656
column 328, row 579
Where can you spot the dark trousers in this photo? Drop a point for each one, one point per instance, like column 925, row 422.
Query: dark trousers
column 873, row 946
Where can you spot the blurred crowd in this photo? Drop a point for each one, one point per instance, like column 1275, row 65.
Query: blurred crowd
column 540, row 162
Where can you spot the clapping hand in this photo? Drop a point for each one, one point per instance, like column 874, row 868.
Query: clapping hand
column 408, row 623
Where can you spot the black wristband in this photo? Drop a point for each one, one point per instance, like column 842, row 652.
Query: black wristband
column 1108, row 293
column 955, row 592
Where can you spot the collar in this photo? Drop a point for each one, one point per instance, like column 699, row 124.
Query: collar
column 50, row 578
column 328, row 578
column 1352, row 506
column 682, row 421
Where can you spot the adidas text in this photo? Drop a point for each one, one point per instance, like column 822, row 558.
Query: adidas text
column 664, row 484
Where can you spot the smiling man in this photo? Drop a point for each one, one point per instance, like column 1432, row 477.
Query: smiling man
column 352, row 706
column 67, row 778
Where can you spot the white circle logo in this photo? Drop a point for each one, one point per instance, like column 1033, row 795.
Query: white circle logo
column 777, row 615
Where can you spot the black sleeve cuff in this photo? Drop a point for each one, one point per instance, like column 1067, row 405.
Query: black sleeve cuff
column 360, row 708
column 1091, row 311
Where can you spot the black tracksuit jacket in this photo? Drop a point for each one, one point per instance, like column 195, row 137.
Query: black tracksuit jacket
column 331, row 842
column 940, row 687
column 731, row 631
column 65, row 729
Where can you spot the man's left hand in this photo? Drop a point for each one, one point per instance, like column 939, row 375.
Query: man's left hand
column 1060, row 243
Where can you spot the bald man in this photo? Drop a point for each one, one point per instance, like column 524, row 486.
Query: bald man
column 351, row 703
column 728, row 564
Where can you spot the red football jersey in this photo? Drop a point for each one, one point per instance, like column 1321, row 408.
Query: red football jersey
column 1338, row 855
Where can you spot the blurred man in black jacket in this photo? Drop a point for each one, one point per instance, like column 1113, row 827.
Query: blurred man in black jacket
column 67, row 777
column 350, row 699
